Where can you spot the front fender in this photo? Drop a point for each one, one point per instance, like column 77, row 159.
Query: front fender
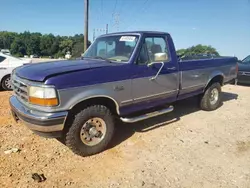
column 72, row 96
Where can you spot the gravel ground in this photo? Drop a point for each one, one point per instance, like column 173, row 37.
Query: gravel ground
column 186, row 148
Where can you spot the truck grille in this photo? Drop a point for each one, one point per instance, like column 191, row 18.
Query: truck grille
column 20, row 89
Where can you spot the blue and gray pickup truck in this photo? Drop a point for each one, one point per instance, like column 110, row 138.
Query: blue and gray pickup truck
column 129, row 76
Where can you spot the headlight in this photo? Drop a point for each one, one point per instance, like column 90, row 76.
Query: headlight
column 43, row 96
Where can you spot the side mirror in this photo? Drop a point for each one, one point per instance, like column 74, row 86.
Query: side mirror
column 151, row 64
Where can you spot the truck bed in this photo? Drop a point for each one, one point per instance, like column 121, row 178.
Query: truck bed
column 196, row 74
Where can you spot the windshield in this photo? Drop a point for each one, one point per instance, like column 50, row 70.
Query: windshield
column 113, row 48
column 246, row 60
column 9, row 56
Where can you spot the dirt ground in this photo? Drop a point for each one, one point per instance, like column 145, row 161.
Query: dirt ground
column 186, row 148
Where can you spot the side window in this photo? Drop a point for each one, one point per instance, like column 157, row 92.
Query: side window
column 2, row 59
column 157, row 49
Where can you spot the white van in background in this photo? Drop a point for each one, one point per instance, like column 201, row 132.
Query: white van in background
column 7, row 64
column 6, row 51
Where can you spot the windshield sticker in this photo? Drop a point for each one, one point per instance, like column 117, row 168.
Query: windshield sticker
column 127, row 38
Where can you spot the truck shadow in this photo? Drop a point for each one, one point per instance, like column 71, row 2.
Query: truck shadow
column 181, row 108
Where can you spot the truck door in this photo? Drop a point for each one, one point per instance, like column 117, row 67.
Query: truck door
column 157, row 80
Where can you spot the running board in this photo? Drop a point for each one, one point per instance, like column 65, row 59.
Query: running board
column 148, row 115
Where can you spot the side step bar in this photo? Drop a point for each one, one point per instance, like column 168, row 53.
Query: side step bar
column 148, row 115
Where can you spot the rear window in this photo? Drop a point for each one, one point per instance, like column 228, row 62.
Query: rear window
column 2, row 59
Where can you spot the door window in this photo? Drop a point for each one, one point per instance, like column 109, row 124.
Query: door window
column 157, row 49
column 154, row 49
column 2, row 59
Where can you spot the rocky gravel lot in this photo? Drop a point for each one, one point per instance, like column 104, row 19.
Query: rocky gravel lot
column 187, row 148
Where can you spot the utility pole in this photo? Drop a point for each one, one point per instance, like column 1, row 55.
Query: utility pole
column 86, row 23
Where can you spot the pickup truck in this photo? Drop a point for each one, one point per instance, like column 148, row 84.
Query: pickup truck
column 124, row 76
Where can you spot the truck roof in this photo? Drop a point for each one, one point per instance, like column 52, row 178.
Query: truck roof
column 135, row 32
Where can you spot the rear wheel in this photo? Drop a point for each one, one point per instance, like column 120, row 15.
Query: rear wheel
column 91, row 131
column 6, row 83
column 211, row 99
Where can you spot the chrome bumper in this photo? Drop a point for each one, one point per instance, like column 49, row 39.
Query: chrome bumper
column 37, row 121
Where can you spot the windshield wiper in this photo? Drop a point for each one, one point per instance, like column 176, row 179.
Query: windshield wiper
column 99, row 57
column 102, row 58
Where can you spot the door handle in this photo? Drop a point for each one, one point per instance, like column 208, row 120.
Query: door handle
column 171, row 68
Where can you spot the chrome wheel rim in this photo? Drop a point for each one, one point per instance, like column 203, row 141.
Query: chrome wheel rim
column 93, row 131
column 214, row 96
column 7, row 82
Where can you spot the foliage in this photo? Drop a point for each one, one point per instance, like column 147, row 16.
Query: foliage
column 28, row 43
column 197, row 50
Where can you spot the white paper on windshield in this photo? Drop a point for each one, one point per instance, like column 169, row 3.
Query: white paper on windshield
column 127, row 38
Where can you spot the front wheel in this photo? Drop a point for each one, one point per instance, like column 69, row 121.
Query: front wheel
column 91, row 131
column 211, row 99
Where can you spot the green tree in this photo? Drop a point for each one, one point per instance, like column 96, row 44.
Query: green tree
column 28, row 43
column 198, row 49
column 66, row 45
column 33, row 44
column 6, row 39
column 46, row 44
column 18, row 48
column 78, row 49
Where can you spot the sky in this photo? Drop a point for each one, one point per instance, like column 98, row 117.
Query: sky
column 223, row 24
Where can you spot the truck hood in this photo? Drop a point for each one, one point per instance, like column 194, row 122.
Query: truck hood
column 41, row 71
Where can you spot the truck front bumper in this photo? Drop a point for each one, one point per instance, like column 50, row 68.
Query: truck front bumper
column 42, row 123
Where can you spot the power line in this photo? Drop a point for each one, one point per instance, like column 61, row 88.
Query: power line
column 117, row 21
column 141, row 11
column 115, row 17
column 114, row 7
column 102, row 8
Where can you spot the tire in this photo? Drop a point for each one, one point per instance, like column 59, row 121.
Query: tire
column 75, row 137
column 206, row 102
column 6, row 83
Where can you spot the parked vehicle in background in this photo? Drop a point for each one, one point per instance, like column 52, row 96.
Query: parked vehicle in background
column 7, row 64
column 68, row 55
column 243, row 76
column 5, row 51
column 131, row 76
column 34, row 56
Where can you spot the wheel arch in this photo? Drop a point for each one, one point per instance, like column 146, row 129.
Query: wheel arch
column 107, row 101
column 216, row 77
column 5, row 77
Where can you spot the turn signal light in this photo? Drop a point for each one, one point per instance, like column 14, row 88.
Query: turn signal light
column 43, row 102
